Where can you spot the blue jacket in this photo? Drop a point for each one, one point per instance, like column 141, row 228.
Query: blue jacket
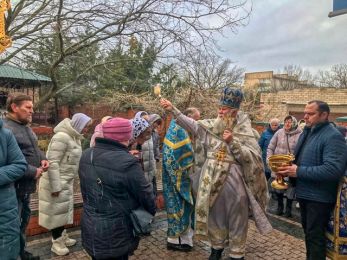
column 12, row 167
column 264, row 143
column 105, row 226
column 321, row 156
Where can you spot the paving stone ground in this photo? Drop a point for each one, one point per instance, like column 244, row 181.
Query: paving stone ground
column 285, row 242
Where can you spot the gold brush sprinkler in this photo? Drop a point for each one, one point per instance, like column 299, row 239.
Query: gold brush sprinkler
column 157, row 90
column 229, row 122
column 222, row 152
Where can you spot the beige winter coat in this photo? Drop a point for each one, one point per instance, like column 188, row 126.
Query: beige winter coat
column 64, row 152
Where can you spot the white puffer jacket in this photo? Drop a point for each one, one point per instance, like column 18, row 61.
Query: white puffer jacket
column 64, row 152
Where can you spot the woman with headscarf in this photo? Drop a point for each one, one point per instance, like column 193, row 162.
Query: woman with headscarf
column 56, row 185
column 141, row 133
column 155, row 121
column 284, row 142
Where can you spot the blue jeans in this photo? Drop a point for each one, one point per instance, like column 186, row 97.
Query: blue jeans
column 24, row 215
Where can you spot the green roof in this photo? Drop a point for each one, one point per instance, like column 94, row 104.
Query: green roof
column 341, row 119
column 12, row 72
column 261, row 123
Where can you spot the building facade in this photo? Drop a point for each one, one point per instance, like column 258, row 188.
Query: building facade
column 292, row 102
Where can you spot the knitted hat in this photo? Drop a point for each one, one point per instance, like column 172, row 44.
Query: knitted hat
column 139, row 126
column 231, row 97
column 118, row 129
column 79, row 121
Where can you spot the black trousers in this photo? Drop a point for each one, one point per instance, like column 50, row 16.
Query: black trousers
column 314, row 219
column 24, row 212
column 57, row 232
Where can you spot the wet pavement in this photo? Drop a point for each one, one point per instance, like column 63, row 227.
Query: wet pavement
column 285, row 242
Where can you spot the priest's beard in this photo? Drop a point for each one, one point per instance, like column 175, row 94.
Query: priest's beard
column 219, row 126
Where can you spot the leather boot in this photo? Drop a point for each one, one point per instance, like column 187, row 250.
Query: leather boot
column 288, row 213
column 59, row 247
column 216, row 254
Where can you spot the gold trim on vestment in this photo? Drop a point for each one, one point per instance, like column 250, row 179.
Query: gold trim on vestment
column 212, row 179
column 176, row 145
column 177, row 215
column 335, row 236
column 179, row 180
column 185, row 155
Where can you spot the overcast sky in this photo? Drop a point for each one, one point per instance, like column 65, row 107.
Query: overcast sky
column 283, row 32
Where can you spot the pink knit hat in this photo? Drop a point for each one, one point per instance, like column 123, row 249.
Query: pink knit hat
column 118, row 129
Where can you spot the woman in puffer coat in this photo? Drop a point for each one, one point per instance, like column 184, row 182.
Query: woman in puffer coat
column 112, row 184
column 12, row 167
column 56, row 185
column 284, row 142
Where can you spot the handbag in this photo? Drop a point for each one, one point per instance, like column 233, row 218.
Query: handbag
column 140, row 218
column 142, row 222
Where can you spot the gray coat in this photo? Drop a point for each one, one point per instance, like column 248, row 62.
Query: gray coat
column 27, row 142
column 283, row 143
column 149, row 165
column 156, row 145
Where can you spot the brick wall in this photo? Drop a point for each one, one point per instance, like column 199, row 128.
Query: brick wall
column 98, row 111
column 282, row 103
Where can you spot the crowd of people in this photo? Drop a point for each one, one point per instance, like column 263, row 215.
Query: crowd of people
column 215, row 176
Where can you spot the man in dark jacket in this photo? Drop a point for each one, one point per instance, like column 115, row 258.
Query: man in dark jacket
column 20, row 110
column 320, row 163
column 112, row 184
column 12, row 167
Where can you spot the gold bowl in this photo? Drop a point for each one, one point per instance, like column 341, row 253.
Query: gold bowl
column 279, row 184
column 279, row 160
column 276, row 161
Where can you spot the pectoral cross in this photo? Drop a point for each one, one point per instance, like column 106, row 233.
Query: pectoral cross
column 221, row 154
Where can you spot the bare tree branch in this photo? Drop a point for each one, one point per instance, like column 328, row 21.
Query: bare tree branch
column 178, row 26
